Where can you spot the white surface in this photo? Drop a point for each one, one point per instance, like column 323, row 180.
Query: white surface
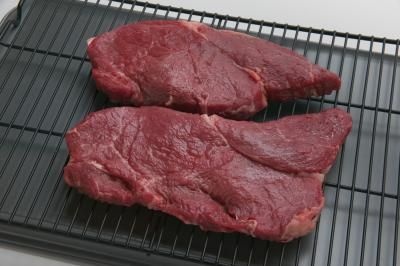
column 368, row 17
column 6, row 6
column 15, row 256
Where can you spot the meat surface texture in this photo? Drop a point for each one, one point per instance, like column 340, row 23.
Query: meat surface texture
column 191, row 67
column 261, row 179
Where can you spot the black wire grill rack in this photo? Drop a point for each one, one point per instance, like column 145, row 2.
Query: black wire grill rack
column 46, row 88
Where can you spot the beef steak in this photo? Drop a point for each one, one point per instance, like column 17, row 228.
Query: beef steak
column 191, row 67
column 261, row 179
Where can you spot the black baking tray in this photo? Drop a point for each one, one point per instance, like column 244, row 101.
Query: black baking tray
column 46, row 88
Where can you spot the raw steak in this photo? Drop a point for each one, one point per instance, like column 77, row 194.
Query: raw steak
column 261, row 179
column 191, row 67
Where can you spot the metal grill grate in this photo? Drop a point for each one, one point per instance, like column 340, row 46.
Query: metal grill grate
column 45, row 88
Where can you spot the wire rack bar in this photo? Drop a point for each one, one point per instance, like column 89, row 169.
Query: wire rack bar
column 40, row 51
column 371, row 160
column 31, row 129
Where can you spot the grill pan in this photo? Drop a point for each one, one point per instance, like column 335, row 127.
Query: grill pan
column 45, row 88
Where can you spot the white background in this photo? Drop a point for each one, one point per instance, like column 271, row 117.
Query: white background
column 379, row 18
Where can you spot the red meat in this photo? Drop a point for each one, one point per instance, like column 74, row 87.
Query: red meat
column 203, row 170
column 191, row 67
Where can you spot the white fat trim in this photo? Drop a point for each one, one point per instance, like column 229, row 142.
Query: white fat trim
column 90, row 40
